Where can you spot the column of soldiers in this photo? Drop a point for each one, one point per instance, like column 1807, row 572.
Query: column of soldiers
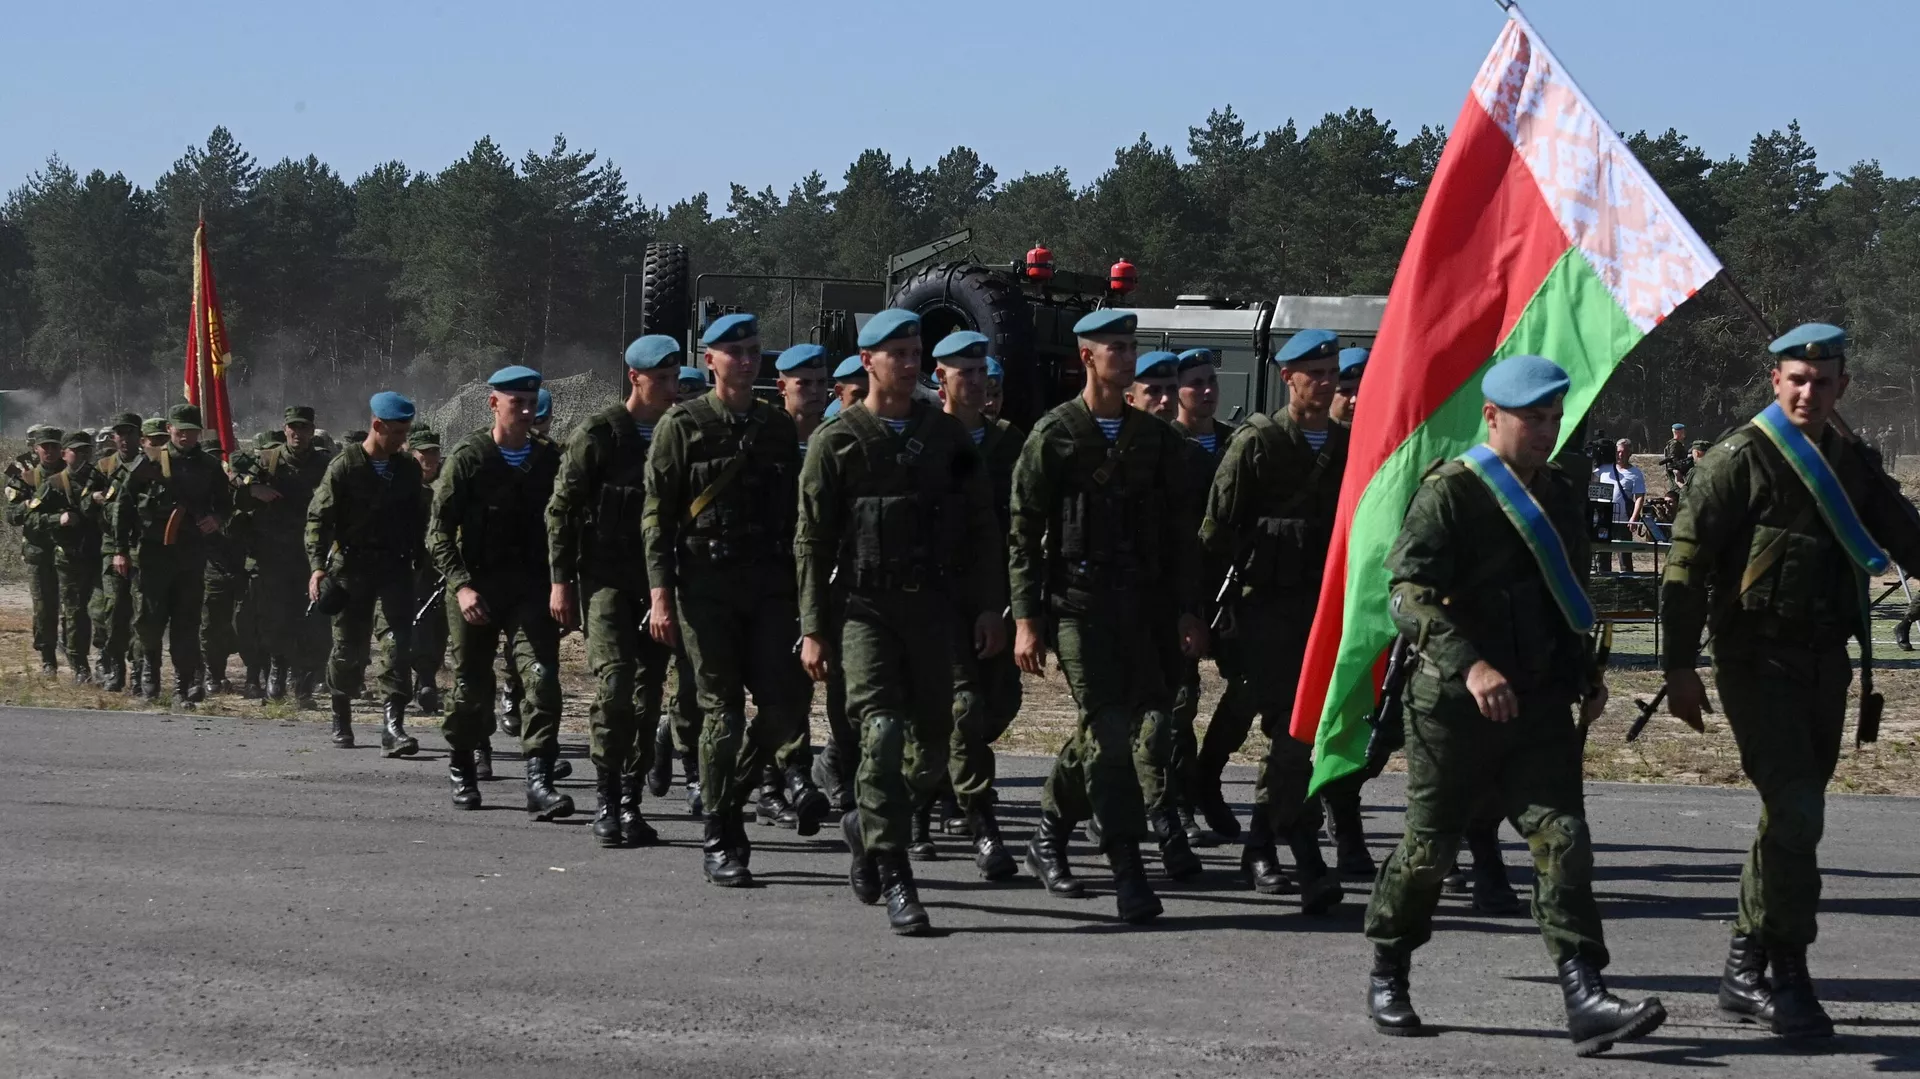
column 922, row 555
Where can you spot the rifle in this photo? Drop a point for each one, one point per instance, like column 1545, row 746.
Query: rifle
column 1602, row 652
column 439, row 593
column 1388, row 718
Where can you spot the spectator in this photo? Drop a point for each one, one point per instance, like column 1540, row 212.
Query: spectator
column 1629, row 490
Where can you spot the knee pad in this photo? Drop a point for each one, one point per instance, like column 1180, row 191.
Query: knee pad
column 1428, row 860
column 1562, row 847
column 966, row 710
column 884, row 740
column 1156, row 734
column 1796, row 817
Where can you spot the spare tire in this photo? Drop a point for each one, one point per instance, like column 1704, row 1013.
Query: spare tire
column 968, row 296
column 666, row 291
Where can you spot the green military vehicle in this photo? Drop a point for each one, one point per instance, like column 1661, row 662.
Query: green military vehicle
column 1026, row 307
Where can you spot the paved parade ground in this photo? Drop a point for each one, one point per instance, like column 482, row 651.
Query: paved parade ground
column 189, row 896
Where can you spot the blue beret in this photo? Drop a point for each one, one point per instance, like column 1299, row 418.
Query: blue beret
column 1199, row 357
column 833, row 409
column 802, row 356
column 1156, row 364
column 888, row 325
column 543, row 405
column 1309, row 345
column 654, row 351
column 1811, row 341
column 692, row 374
column 515, row 379
column 1354, row 360
column 995, row 372
column 849, row 368
column 1524, row 381
column 964, row 343
column 1106, row 320
column 391, row 407
column 729, row 328
column 1679, row 426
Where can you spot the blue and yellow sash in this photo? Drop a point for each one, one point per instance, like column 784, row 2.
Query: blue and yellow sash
column 1811, row 466
column 1536, row 532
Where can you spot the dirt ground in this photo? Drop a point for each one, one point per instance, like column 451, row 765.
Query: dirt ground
column 1667, row 752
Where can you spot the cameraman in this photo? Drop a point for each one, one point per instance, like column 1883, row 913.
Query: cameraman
column 1629, row 486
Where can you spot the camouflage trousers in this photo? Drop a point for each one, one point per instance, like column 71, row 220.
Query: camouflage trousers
column 1112, row 664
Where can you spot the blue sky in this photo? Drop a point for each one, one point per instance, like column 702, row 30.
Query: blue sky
column 686, row 96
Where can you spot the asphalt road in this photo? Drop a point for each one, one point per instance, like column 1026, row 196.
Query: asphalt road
column 189, row 896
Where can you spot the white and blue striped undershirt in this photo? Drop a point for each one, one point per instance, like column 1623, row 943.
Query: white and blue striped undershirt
column 380, row 466
column 1110, row 428
column 898, row 425
column 518, row 457
column 1316, row 439
column 645, row 429
column 1210, row 443
column 979, row 435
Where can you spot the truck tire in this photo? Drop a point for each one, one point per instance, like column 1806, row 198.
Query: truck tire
column 968, row 296
column 666, row 291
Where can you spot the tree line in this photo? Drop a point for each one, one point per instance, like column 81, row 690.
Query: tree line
column 424, row 279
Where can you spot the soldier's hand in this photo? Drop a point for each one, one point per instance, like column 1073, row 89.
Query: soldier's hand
column 1491, row 692
column 473, row 609
column 816, row 656
column 1193, row 636
column 122, row 565
column 1591, row 708
column 264, row 493
column 208, row 526
column 66, row 519
column 989, row 634
column 1687, row 697
column 660, row 622
column 560, row 604
column 313, row 586
column 1029, row 651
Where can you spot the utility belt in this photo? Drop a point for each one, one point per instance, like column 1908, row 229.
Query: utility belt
column 1798, row 632
column 1103, row 576
column 707, row 551
column 896, row 577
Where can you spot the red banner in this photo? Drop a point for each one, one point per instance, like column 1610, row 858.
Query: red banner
column 207, row 351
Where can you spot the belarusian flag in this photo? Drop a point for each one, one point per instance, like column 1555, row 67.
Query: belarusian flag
column 1540, row 235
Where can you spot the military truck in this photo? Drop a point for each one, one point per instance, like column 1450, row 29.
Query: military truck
column 1026, row 307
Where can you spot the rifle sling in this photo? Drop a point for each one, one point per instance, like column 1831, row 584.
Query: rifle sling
column 735, row 465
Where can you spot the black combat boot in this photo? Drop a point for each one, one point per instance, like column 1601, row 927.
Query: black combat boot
column 150, row 675
column 1132, row 896
column 1197, row 836
column 82, row 670
column 186, row 688
column 834, row 778
column 1349, row 834
column 342, row 706
column 864, row 872
column 920, row 846
column 946, row 813
column 561, row 767
column 394, row 739
column 1258, row 861
column 253, row 688
column 606, row 816
column 1902, row 634
column 634, row 829
column 990, row 855
column 660, row 774
column 905, row 916
column 1796, row 1009
column 426, row 695
column 304, row 682
column 115, row 678
column 1389, row 1004
column 1596, row 1019
column 690, row 778
column 543, row 802
column 1745, row 995
column 466, row 790
column 1047, row 857
column 214, row 679
column 483, row 761
column 718, row 860
column 50, row 664
column 510, row 713
column 101, row 668
column 1455, row 882
column 771, row 807
column 1320, row 889
column 1492, row 892
column 276, row 679
column 810, row 807
column 1177, row 859
column 1215, row 810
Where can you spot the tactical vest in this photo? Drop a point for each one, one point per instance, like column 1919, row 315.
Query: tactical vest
column 610, row 540
column 1293, row 525
column 1107, row 534
column 174, row 480
column 751, row 516
column 1807, row 588
column 503, row 533
column 907, row 514
column 376, row 518
column 282, row 523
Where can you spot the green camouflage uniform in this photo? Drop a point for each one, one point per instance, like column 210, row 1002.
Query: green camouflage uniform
column 906, row 519
column 171, row 576
column 1270, row 510
column 1466, row 588
column 227, row 584
column 593, row 533
column 986, row 692
column 1779, row 643
column 731, row 570
column 277, row 555
column 489, row 534
column 372, row 525
column 1099, row 530
column 63, row 558
column 111, row 610
column 1183, row 673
